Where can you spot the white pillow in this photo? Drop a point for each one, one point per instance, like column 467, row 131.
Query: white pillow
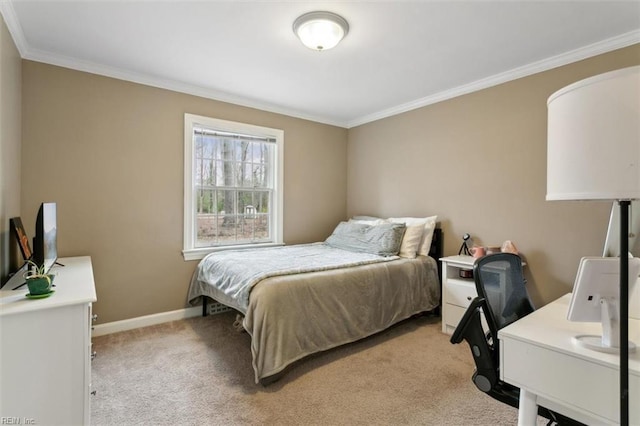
column 413, row 235
column 368, row 220
column 427, row 236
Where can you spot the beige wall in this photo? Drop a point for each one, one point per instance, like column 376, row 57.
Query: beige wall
column 110, row 153
column 479, row 162
column 10, row 125
column 113, row 152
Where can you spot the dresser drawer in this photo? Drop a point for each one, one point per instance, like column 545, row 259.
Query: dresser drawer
column 460, row 292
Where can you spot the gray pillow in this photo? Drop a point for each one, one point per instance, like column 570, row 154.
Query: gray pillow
column 383, row 239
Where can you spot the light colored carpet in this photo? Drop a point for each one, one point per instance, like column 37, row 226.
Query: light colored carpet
column 198, row 372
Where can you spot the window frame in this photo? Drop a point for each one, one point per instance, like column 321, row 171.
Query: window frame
column 189, row 250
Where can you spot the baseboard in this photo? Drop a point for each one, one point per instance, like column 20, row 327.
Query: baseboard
column 145, row 321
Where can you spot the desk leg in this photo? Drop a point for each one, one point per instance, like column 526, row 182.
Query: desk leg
column 528, row 410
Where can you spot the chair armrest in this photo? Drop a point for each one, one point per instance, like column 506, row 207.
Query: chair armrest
column 467, row 319
column 470, row 329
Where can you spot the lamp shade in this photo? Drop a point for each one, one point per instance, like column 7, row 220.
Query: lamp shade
column 593, row 141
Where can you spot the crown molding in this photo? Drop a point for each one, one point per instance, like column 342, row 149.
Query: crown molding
column 26, row 52
column 168, row 84
column 585, row 52
column 566, row 58
column 13, row 24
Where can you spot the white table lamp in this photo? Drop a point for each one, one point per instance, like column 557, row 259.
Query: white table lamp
column 593, row 153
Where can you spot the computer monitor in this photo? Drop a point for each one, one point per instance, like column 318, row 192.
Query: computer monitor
column 612, row 246
column 596, row 298
column 612, row 240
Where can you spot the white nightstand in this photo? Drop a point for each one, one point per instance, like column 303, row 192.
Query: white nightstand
column 457, row 292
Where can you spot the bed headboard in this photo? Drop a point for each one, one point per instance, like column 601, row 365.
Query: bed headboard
column 437, row 244
column 437, row 249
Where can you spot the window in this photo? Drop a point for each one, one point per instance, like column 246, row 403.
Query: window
column 232, row 185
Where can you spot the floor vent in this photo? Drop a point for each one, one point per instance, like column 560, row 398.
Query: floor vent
column 217, row 308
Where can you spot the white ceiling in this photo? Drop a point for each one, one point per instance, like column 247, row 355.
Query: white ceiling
column 398, row 55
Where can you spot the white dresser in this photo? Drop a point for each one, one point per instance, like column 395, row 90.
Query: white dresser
column 45, row 349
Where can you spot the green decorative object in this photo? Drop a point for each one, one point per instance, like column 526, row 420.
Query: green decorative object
column 39, row 285
column 39, row 296
column 38, row 281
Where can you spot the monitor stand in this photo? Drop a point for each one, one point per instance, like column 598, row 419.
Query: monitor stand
column 609, row 342
column 594, row 343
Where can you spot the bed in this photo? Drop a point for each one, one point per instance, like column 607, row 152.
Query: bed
column 302, row 299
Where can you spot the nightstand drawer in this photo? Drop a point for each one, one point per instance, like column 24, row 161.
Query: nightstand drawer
column 451, row 316
column 460, row 292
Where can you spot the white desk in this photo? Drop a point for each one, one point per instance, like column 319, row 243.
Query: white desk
column 538, row 356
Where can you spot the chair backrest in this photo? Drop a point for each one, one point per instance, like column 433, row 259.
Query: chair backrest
column 500, row 281
column 502, row 299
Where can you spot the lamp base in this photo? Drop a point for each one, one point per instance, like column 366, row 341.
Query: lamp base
column 595, row 343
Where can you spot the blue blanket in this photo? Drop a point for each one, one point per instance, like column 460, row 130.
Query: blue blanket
column 230, row 275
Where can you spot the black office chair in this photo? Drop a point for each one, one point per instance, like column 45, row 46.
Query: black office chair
column 502, row 299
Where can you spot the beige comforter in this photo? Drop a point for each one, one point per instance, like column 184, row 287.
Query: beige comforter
column 292, row 316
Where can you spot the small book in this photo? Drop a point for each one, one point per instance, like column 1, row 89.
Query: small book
column 21, row 237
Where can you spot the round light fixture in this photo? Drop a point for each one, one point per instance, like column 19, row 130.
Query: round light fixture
column 320, row 30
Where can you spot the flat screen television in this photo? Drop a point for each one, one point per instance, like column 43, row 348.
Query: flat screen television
column 45, row 248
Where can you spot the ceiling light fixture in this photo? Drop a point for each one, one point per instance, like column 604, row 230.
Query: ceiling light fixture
column 320, row 30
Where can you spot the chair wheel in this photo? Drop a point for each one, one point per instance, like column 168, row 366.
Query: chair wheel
column 481, row 382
